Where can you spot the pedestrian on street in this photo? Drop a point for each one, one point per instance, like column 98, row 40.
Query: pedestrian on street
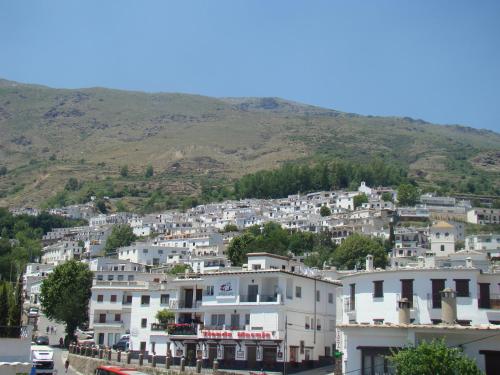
column 51, row 330
column 55, row 330
column 61, row 342
column 48, row 328
column 66, row 365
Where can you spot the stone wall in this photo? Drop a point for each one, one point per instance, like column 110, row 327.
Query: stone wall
column 88, row 365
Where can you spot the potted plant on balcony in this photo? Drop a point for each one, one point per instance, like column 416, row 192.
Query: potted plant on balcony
column 165, row 317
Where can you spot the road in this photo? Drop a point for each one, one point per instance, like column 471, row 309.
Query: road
column 60, row 355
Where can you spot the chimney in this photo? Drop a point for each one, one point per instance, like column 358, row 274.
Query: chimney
column 369, row 262
column 468, row 262
column 430, row 261
column 421, row 261
column 448, row 306
column 404, row 311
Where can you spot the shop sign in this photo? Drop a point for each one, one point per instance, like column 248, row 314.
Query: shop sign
column 226, row 288
column 237, row 335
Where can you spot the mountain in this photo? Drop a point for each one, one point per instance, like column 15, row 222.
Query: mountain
column 49, row 135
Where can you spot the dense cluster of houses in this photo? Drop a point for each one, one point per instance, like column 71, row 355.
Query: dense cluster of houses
column 275, row 311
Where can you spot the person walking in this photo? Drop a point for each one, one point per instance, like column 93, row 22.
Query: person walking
column 61, row 342
column 66, row 365
column 48, row 329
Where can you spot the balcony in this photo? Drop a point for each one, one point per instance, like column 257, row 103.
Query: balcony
column 109, row 324
column 259, row 298
column 176, row 329
column 182, row 304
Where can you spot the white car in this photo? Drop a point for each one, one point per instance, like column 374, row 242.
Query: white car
column 33, row 312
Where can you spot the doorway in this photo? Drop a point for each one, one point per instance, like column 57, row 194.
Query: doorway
column 252, row 357
column 188, row 298
column 253, row 290
column 212, row 353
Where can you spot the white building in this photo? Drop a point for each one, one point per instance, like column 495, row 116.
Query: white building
column 483, row 216
column 380, row 310
column 241, row 317
column 485, row 243
column 61, row 252
column 442, row 238
column 153, row 255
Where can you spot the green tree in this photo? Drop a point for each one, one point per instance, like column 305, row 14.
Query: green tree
column 239, row 247
column 179, row 269
column 353, row 251
column 65, row 294
column 149, row 171
column 431, row 358
column 121, row 235
column 230, row 228
column 124, row 171
column 387, row 197
column 71, row 184
column 165, row 316
column 325, row 211
column 407, row 195
column 4, row 304
column 359, row 199
column 100, row 204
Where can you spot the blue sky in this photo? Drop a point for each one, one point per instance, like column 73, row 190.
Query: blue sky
column 435, row 60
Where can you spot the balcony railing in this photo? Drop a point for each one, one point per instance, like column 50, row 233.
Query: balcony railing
column 177, row 329
column 188, row 304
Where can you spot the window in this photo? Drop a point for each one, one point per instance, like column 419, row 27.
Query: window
column 247, row 318
column 437, row 286
column 118, row 317
column 144, row 251
column 318, row 324
column 160, row 251
column 99, row 277
column 307, row 323
column 113, row 298
column 298, row 292
column 102, row 318
column 210, row 290
column 330, row 297
column 145, row 300
column 462, row 287
column 164, row 299
column 143, row 346
column 317, row 296
column 144, row 322
column 130, row 277
column 110, row 277
column 407, row 290
column 378, row 289
column 120, row 277
column 218, row 320
column 100, row 298
column 442, row 247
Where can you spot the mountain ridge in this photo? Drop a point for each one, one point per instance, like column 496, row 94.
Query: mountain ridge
column 51, row 134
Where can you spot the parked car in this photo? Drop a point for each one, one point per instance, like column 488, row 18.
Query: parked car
column 42, row 340
column 122, row 345
column 33, row 312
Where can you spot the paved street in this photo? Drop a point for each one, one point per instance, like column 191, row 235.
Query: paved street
column 58, row 332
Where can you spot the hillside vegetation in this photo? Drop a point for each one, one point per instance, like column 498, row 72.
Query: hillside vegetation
column 195, row 144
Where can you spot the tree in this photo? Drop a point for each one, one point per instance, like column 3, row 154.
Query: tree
column 71, row 184
column 433, row 358
column 121, row 235
column 359, row 199
column 238, row 248
column 65, row 295
column 149, row 171
column 165, row 316
column 325, row 211
column 387, row 197
column 407, row 195
column 230, row 228
column 353, row 251
column 4, row 304
column 100, row 204
column 179, row 268
column 124, row 171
